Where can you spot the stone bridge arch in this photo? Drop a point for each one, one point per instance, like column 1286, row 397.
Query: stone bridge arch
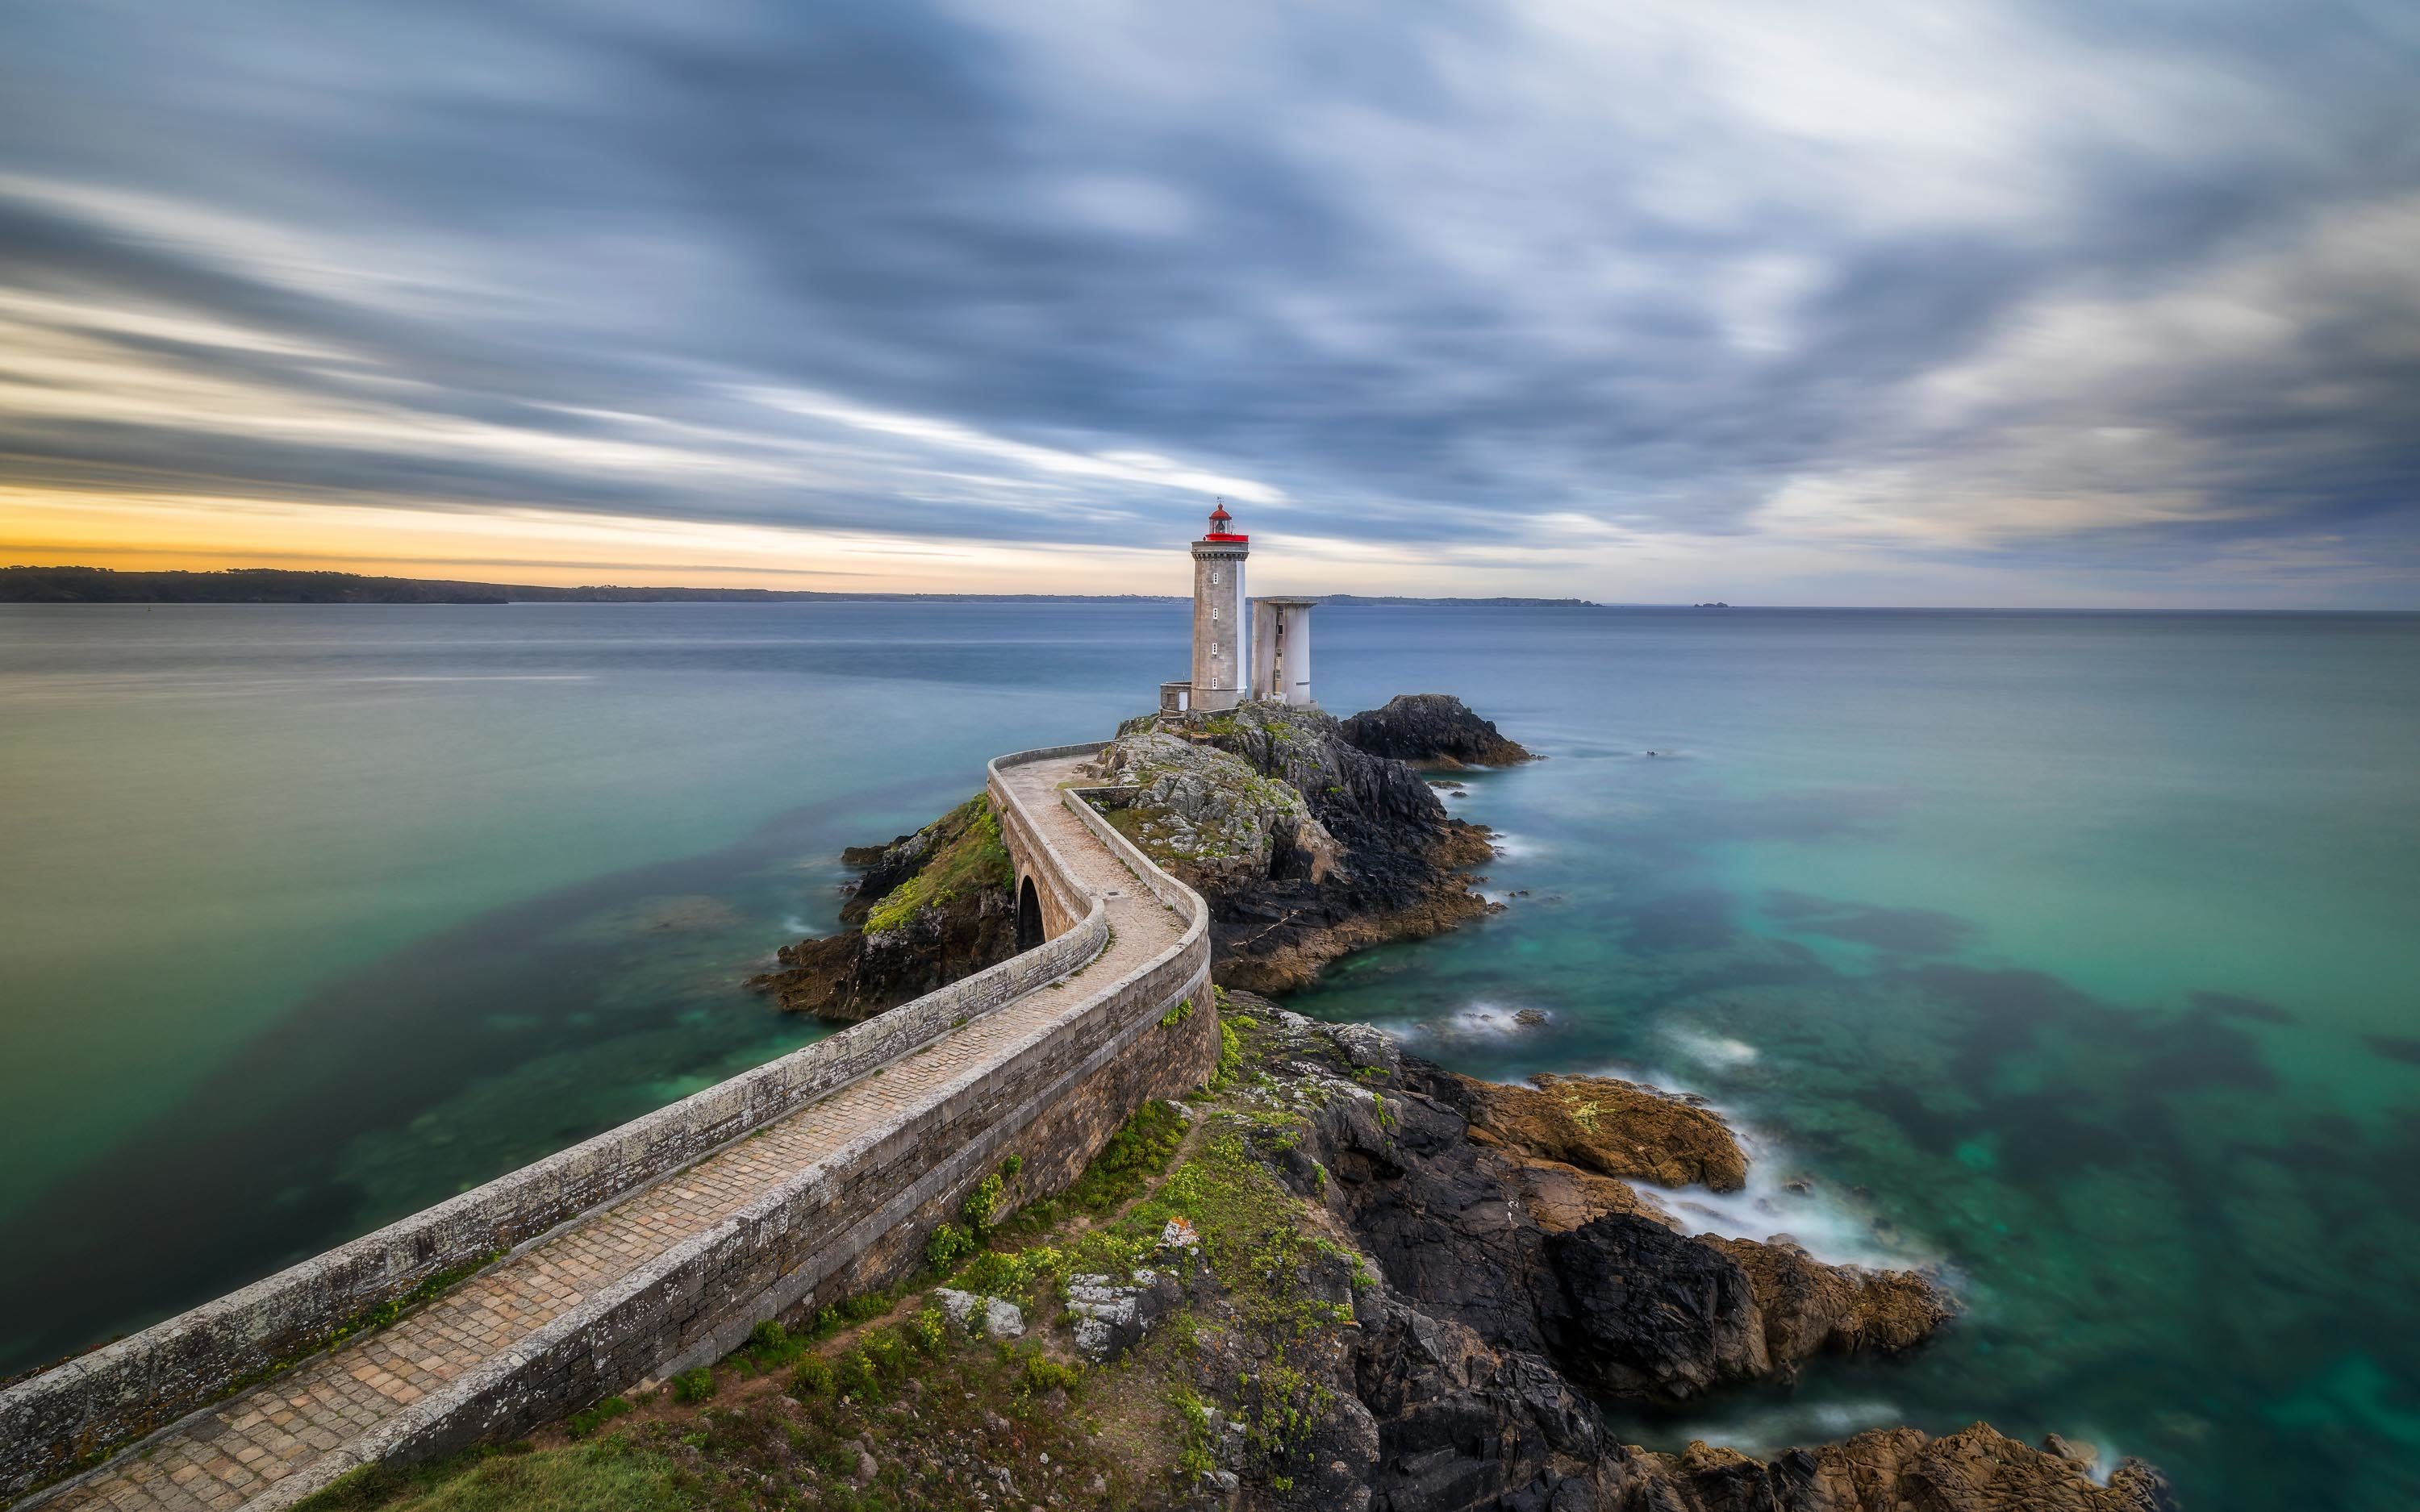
column 1030, row 931
column 1040, row 885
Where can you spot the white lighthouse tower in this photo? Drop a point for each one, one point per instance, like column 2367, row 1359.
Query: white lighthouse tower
column 1220, row 647
column 1264, row 657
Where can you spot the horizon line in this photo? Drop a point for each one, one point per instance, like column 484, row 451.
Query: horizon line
column 748, row 595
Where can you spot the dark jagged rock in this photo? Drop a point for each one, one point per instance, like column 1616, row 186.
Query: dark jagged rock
column 1807, row 1307
column 926, row 909
column 1435, row 730
column 1622, row 1302
column 1305, row 846
column 1462, row 1386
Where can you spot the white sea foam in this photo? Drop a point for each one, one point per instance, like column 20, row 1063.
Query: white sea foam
column 1483, row 1019
column 1710, row 1049
column 794, row 925
column 1515, row 847
column 1767, row 1431
column 1781, row 1198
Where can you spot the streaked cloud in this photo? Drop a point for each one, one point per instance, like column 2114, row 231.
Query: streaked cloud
column 1982, row 300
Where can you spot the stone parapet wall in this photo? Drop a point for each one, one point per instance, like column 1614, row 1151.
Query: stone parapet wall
column 838, row 1221
column 859, row 1219
column 854, row 1223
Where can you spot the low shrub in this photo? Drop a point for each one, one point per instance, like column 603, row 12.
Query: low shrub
column 889, row 1352
column 947, row 1245
column 982, row 1204
column 814, row 1378
column 1042, row 1373
column 928, row 1330
column 769, row 1347
column 858, row 1376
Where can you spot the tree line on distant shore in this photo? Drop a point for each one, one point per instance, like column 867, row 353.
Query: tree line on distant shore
column 277, row 585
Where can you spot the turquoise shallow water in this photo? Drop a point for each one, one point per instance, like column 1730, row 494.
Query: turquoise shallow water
column 2073, row 953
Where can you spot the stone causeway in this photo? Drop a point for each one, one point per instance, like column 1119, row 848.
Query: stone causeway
column 657, row 1247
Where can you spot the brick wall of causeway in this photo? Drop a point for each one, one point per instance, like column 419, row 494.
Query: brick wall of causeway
column 1053, row 1095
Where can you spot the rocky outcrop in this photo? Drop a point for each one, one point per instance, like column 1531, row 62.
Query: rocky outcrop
column 1305, row 846
column 1433, row 729
column 1808, row 1308
column 1461, row 1426
column 1597, row 1123
column 1112, row 1317
column 1486, row 1337
column 1207, row 815
column 1578, row 1267
column 926, row 909
column 1976, row 1469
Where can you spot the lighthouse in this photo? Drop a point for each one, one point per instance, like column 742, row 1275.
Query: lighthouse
column 1220, row 647
column 1267, row 655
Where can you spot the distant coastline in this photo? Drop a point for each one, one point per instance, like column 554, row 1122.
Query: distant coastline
column 277, row 585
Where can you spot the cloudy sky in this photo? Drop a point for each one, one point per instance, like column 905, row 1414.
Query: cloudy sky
column 1982, row 301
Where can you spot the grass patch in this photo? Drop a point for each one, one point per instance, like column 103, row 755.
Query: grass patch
column 1140, row 1150
column 588, row 1420
column 609, row 1475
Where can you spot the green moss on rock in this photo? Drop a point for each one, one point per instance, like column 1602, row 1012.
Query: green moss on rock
column 968, row 855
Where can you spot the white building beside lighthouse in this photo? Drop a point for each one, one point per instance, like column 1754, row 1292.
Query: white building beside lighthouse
column 1243, row 647
column 1281, row 649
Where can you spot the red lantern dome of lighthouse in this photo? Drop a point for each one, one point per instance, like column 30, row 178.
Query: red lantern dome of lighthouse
column 1219, row 519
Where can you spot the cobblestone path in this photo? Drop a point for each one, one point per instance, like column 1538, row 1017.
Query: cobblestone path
column 235, row 1453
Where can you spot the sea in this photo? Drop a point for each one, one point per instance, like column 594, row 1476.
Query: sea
column 2074, row 955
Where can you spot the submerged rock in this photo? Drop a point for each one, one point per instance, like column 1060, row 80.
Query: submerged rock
column 1435, row 730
